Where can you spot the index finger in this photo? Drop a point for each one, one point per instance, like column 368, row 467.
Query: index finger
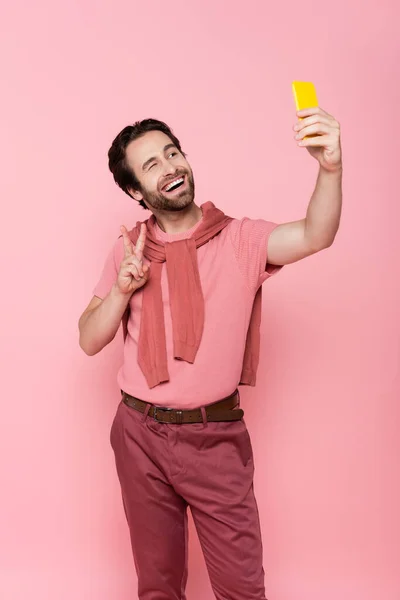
column 309, row 112
column 128, row 247
column 141, row 241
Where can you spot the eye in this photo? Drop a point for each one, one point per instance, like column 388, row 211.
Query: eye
column 174, row 153
column 151, row 166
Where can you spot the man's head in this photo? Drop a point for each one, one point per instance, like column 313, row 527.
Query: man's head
column 148, row 164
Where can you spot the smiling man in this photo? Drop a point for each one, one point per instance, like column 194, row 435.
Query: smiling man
column 186, row 285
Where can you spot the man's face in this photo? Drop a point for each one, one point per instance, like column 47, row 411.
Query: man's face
column 165, row 176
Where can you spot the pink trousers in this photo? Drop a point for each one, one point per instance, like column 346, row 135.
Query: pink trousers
column 209, row 467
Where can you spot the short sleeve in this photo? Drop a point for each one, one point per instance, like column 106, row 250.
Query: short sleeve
column 110, row 270
column 250, row 241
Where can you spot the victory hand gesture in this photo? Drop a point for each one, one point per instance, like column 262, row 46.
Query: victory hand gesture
column 133, row 274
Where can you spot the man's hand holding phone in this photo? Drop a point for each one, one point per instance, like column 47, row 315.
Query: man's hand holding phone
column 316, row 130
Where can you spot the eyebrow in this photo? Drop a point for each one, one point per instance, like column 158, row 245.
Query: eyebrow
column 150, row 160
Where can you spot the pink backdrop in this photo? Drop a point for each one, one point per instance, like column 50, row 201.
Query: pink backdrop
column 325, row 416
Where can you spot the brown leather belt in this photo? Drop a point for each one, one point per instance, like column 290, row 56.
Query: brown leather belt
column 223, row 410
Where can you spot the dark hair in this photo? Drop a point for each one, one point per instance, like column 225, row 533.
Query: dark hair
column 124, row 176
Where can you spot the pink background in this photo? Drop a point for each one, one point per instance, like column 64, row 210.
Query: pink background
column 324, row 418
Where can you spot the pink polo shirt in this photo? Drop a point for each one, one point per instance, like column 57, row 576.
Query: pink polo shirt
column 232, row 266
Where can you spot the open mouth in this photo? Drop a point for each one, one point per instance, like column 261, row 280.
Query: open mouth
column 174, row 185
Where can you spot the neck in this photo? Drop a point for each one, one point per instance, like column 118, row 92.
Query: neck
column 179, row 221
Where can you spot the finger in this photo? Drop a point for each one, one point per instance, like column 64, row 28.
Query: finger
column 134, row 261
column 312, row 120
column 308, row 112
column 139, row 274
column 128, row 247
column 317, row 129
column 141, row 242
column 133, row 270
column 320, row 140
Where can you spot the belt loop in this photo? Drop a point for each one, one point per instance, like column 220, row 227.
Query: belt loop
column 146, row 412
column 204, row 416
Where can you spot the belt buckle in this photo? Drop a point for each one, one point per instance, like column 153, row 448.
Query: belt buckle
column 160, row 409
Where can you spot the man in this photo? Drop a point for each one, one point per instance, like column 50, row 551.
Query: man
column 186, row 285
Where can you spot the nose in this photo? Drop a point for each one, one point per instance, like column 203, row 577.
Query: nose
column 168, row 168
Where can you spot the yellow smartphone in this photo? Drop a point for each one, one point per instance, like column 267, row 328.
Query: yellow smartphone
column 305, row 96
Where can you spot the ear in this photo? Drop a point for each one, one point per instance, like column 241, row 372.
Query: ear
column 136, row 194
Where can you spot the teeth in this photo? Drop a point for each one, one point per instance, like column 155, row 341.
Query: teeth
column 173, row 183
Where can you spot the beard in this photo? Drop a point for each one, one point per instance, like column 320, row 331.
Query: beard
column 164, row 201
